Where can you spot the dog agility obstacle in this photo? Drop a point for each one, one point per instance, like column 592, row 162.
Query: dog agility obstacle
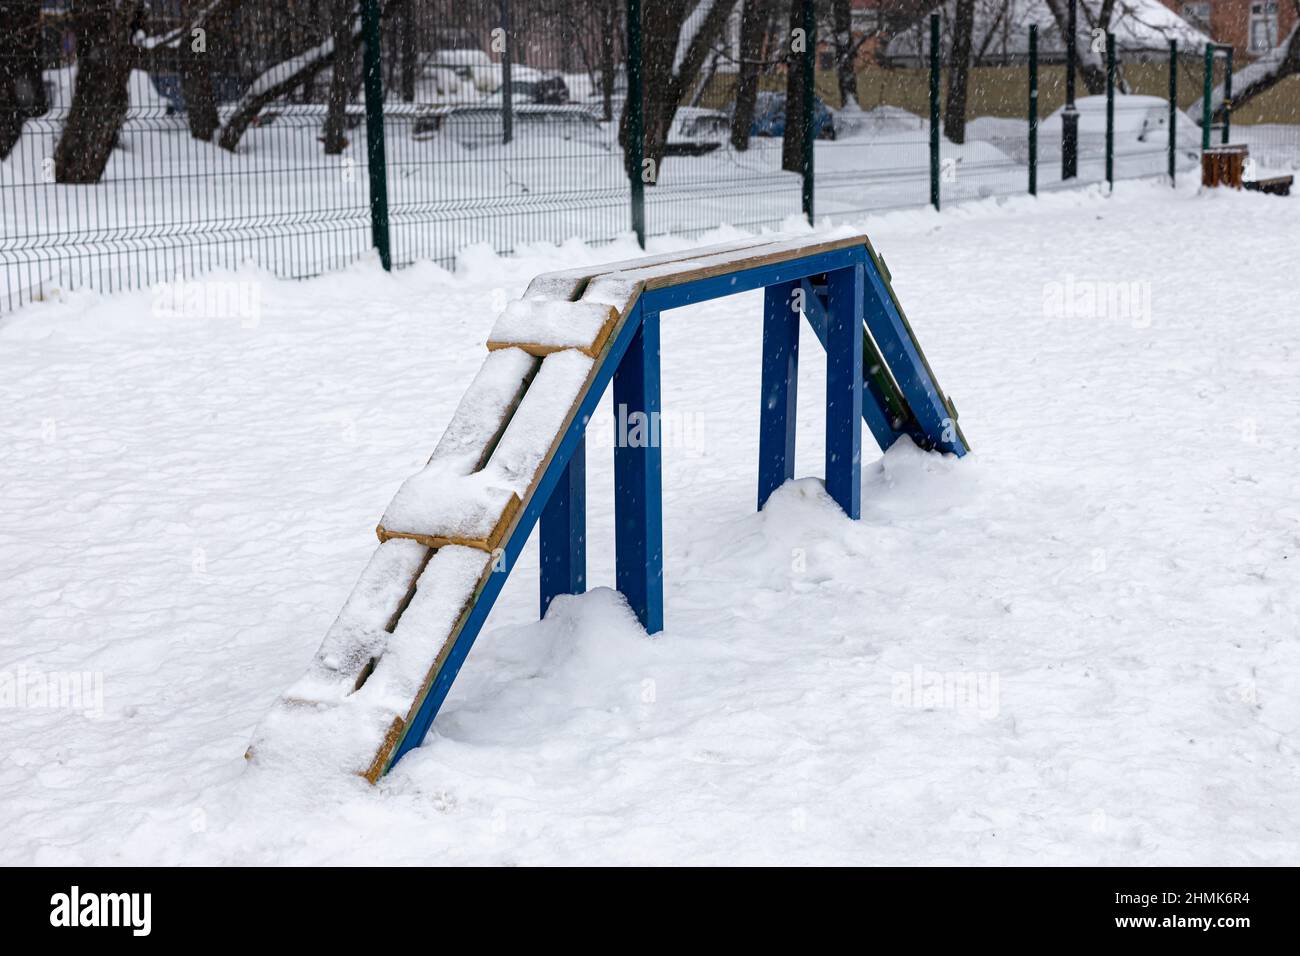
column 514, row 457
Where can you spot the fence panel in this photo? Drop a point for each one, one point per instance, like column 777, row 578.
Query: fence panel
column 723, row 157
column 502, row 127
column 168, row 204
column 879, row 157
column 474, row 160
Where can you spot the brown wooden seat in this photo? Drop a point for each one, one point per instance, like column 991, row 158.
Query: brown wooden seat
column 1273, row 185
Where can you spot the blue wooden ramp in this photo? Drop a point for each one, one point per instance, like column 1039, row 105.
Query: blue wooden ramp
column 514, row 458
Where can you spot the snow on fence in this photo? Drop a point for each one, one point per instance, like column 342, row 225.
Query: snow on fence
column 169, row 206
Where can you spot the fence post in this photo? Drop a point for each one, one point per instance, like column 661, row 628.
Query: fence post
column 378, row 164
column 1173, row 110
column 507, row 94
column 1033, row 109
column 1110, row 110
column 1227, row 96
column 1070, row 115
column 635, row 119
column 1207, row 92
column 809, row 100
column 934, row 110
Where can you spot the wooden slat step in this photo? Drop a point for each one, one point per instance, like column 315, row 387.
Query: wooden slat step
column 621, row 289
column 355, row 731
column 360, row 632
column 542, row 326
column 484, row 411
column 437, row 506
column 568, row 284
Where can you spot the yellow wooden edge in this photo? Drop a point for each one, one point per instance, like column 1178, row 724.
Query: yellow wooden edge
column 387, row 747
column 591, row 350
column 435, row 541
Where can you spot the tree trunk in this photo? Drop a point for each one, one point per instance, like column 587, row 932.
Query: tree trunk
column 188, row 51
column 608, row 68
column 792, row 141
column 100, row 98
column 664, row 86
column 661, row 27
column 407, row 49
column 753, row 27
column 1092, row 69
column 22, row 89
column 196, row 87
column 341, row 24
column 283, row 77
column 1258, row 77
column 954, row 114
column 996, row 27
column 845, row 52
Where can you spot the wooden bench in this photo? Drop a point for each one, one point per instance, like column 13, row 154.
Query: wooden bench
column 1272, row 186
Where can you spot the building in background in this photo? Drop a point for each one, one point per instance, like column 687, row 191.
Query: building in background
column 1250, row 27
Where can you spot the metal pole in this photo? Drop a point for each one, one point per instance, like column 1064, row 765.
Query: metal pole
column 635, row 119
column 507, row 91
column 1173, row 110
column 1070, row 116
column 934, row 110
column 1033, row 109
column 1227, row 96
column 1207, row 92
column 375, row 159
column 809, row 83
column 1110, row 109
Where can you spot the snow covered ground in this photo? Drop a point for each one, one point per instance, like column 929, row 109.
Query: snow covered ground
column 1112, row 573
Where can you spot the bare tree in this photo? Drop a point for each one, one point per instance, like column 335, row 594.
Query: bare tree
column 846, row 52
column 406, row 46
column 1092, row 68
column 998, row 25
column 792, row 158
column 22, row 91
column 608, row 65
column 287, row 75
column 100, row 99
column 1259, row 77
column 754, row 19
column 191, row 47
column 677, row 38
column 342, row 23
column 959, row 65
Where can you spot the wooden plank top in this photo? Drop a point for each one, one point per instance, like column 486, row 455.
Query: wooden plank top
column 621, row 289
column 569, row 283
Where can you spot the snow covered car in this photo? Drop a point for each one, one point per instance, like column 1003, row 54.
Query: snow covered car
column 532, row 87
column 465, row 75
column 482, row 125
column 226, row 88
column 769, row 116
column 1141, row 123
column 466, row 64
column 697, row 131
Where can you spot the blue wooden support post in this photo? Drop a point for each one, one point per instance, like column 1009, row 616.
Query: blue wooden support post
column 776, row 413
column 886, row 426
column 562, row 532
column 910, row 371
column 845, row 291
column 638, row 480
